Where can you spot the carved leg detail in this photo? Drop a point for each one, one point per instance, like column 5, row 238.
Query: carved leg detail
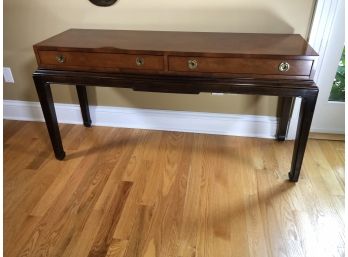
column 45, row 96
column 284, row 110
column 82, row 94
column 303, row 127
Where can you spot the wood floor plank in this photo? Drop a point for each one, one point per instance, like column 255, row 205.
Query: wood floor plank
column 188, row 235
column 335, row 161
column 11, row 128
column 105, row 233
column 62, row 209
column 140, row 193
column 95, row 195
column 117, row 248
column 140, row 231
column 325, row 170
column 168, row 213
column 139, row 172
column 258, row 243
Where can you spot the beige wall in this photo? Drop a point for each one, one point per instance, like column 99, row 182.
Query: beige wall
column 28, row 22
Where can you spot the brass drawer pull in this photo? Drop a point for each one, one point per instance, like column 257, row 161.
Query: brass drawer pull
column 284, row 67
column 60, row 58
column 140, row 61
column 192, row 64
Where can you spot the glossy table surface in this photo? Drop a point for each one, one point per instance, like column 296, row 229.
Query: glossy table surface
column 207, row 43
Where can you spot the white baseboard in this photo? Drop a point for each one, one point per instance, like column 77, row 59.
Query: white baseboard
column 327, row 131
column 196, row 122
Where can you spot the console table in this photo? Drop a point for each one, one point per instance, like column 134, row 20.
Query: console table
column 180, row 62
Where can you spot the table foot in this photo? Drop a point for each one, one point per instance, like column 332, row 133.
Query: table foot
column 87, row 124
column 280, row 137
column 292, row 178
column 60, row 156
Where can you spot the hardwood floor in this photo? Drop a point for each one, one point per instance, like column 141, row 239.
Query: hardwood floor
column 139, row 193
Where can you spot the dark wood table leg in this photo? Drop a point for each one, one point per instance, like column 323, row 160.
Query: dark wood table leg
column 284, row 111
column 82, row 94
column 304, row 124
column 44, row 93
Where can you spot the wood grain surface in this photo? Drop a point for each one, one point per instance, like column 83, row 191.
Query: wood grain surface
column 114, row 62
column 139, row 193
column 239, row 65
column 178, row 42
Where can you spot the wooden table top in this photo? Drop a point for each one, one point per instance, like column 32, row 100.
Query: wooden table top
column 165, row 42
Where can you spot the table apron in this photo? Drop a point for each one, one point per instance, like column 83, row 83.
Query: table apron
column 183, row 85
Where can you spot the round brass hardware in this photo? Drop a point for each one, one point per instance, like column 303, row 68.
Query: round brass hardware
column 284, row 67
column 140, row 61
column 192, row 64
column 60, row 58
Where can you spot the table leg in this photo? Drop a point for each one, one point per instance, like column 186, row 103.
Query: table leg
column 303, row 127
column 44, row 93
column 284, row 111
column 82, row 94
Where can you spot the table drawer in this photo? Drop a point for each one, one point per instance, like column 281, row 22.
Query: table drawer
column 241, row 65
column 100, row 61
